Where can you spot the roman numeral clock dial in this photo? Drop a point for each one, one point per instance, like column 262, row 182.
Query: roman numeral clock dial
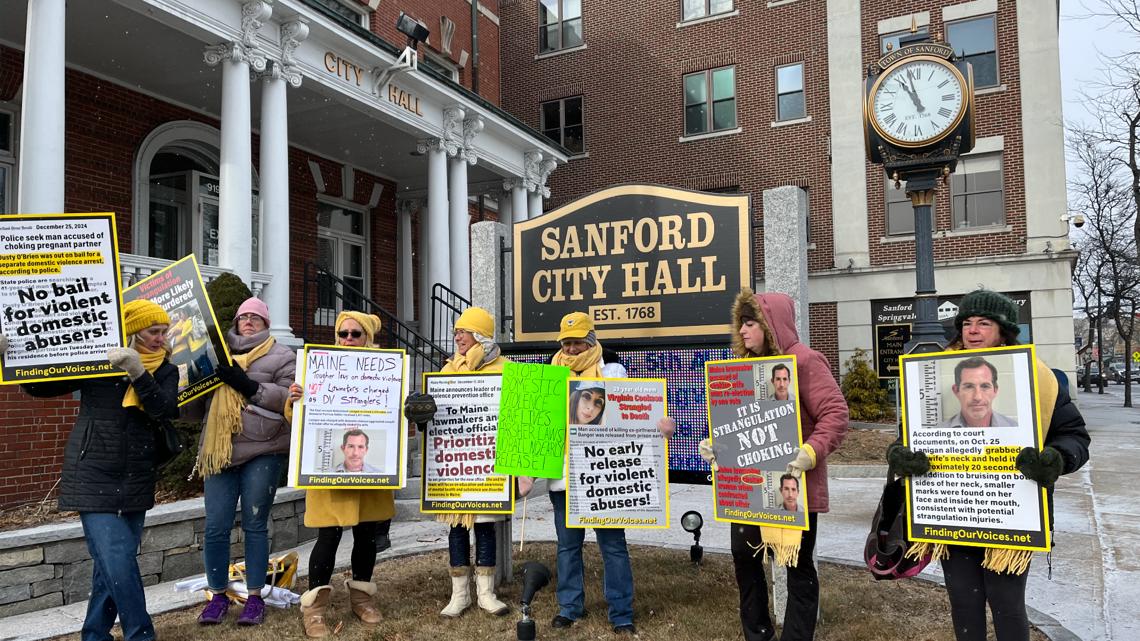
column 918, row 102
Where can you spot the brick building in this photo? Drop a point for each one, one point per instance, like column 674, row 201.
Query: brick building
column 270, row 139
column 744, row 96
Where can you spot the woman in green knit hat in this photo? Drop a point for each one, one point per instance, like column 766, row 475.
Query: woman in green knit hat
column 977, row 576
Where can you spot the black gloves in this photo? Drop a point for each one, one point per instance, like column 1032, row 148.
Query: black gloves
column 236, row 378
column 1043, row 466
column 419, row 408
column 904, row 461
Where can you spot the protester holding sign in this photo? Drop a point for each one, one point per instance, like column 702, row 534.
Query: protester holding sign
column 765, row 325
column 244, row 442
column 976, row 576
column 109, row 469
column 368, row 512
column 582, row 353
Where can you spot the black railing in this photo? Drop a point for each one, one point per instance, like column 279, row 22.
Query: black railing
column 446, row 306
column 331, row 293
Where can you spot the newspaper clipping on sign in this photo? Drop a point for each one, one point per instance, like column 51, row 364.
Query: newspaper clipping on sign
column 754, row 424
column 618, row 472
column 972, row 411
column 459, row 447
column 348, row 425
column 196, row 342
column 59, row 296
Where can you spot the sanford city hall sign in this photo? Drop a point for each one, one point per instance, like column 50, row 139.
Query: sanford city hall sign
column 644, row 261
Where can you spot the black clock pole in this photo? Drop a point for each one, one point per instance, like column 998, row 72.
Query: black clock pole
column 927, row 335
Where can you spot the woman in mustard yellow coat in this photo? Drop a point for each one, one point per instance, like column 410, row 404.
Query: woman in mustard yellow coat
column 330, row 511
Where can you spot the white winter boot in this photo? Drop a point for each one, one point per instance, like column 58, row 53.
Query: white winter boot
column 485, row 588
column 460, row 592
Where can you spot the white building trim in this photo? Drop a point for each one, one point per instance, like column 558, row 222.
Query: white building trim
column 902, row 23
column 848, row 180
column 983, row 7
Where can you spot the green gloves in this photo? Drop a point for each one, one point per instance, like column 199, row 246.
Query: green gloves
column 1044, row 465
column 904, row 461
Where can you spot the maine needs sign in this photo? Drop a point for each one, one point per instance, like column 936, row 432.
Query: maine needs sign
column 646, row 262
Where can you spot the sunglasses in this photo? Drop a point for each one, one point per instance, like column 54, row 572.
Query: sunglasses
column 355, row 333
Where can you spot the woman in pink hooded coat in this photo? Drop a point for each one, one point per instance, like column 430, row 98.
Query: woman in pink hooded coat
column 765, row 325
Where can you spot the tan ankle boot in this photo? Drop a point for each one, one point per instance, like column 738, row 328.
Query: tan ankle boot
column 314, row 607
column 460, row 592
column 485, row 589
column 360, row 593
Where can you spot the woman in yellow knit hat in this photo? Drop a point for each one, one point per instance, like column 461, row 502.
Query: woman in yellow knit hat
column 330, row 511
column 109, row 468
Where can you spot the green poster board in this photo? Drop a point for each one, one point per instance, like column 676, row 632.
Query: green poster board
column 532, row 421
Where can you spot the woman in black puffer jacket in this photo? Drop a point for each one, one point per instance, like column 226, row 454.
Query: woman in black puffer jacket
column 109, row 467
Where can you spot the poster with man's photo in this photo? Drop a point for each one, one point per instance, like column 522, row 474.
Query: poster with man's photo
column 459, row 447
column 348, row 427
column 618, row 470
column 197, row 344
column 971, row 412
column 60, row 307
column 754, row 425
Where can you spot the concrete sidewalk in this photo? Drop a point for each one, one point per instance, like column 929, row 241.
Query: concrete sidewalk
column 1096, row 563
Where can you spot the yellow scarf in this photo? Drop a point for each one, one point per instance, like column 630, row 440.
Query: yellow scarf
column 588, row 364
column 151, row 361
column 224, row 419
column 783, row 542
column 1002, row 560
column 468, row 362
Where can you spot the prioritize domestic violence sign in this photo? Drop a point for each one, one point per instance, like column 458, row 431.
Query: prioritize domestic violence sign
column 532, row 421
column 755, row 429
column 459, row 447
column 196, row 344
column 59, row 296
column 348, row 426
column 972, row 411
column 618, row 462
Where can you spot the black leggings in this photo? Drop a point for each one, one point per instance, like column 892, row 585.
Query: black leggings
column 803, row 586
column 323, row 558
column 970, row 587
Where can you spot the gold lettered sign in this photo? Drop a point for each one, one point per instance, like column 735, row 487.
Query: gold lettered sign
column 642, row 260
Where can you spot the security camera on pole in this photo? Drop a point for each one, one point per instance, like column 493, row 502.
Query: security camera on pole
column 918, row 115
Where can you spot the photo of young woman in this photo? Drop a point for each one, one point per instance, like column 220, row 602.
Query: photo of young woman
column 587, row 403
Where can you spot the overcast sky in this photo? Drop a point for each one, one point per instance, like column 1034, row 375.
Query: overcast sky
column 1081, row 39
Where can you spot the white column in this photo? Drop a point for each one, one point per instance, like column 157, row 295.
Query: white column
column 406, row 292
column 275, row 201
column 505, row 207
column 42, row 117
column 518, row 198
column 534, row 204
column 460, row 228
column 435, row 267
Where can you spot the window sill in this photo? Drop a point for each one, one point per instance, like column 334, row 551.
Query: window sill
column 988, row 90
column 788, row 123
column 810, row 246
column 976, row 231
column 779, row 3
column 715, row 134
column 719, row 16
column 582, row 156
column 559, row 52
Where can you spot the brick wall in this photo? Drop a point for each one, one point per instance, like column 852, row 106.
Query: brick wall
column 822, row 320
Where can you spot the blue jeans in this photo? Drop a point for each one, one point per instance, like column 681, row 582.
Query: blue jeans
column 617, row 576
column 116, row 586
column 459, row 546
column 255, row 482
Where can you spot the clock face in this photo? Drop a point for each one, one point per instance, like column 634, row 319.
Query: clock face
column 918, row 102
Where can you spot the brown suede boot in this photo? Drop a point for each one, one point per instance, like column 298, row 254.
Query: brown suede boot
column 360, row 593
column 314, row 607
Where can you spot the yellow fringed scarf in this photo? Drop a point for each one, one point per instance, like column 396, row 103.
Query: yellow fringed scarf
column 224, row 419
column 587, row 364
column 151, row 361
column 1003, row 560
column 469, row 362
column 784, row 543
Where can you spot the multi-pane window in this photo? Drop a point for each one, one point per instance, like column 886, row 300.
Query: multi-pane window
column 710, row 101
column 976, row 192
column 560, row 24
column 7, row 162
column 893, row 38
column 975, row 41
column 693, row 9
column 900, row 211
column 346, row 10
column 790, row 92
column 562, row 123
column 342, row 252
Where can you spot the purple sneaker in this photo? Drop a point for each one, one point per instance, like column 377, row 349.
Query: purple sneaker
column 254, row 611
column 215, row 610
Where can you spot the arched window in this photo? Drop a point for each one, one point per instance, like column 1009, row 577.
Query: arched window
column 176, row 194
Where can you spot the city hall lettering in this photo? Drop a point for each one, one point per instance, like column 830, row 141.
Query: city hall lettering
column 633, row 257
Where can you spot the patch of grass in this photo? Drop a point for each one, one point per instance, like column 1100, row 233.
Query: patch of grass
column 863, row 447
column 674, row 601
